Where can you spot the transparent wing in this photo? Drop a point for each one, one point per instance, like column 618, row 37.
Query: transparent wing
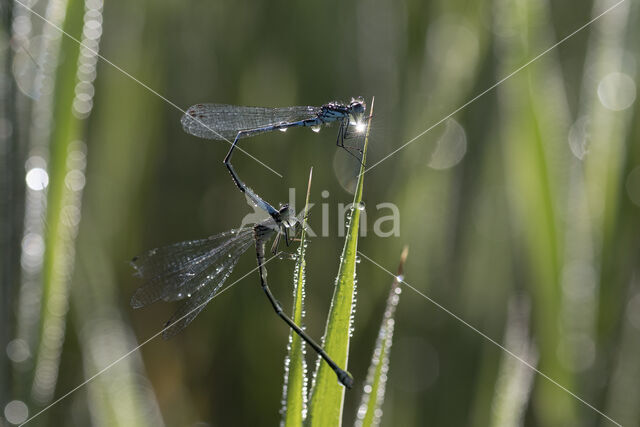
column 220, row 121
column 176, row 271
column 195, row 302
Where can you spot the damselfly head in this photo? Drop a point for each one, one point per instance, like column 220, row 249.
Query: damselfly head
column 287, row 216
column 358, row 107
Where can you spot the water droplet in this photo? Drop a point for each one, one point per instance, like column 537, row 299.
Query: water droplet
column 361, row 206
column 316, row 129
column 282, row 129
column 287, row 255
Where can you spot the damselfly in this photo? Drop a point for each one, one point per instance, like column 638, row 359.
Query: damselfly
column 195, row 271
column 227, row 122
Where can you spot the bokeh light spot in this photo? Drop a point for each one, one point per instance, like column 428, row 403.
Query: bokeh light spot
column 18, row 350
column 633, row 185
column 16, row 412
column 617, row 91
column 37, row 179
column 450, row 148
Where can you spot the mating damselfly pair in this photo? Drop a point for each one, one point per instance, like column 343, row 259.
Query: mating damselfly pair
column 194, row 271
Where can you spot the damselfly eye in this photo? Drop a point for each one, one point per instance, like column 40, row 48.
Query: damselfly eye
column 357, row 106
column 287, row 217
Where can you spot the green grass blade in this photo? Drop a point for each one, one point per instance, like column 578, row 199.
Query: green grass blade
column 62, row 212
column 533, row 112
column 327, row 395
column 294, row 390
column 515, row 380
column 370, row 410
column 117, row 174
column 29, row 302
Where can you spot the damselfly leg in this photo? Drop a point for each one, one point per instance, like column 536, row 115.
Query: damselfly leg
column 261, row 236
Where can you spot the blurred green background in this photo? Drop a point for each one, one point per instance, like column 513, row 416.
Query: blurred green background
column 521, row 210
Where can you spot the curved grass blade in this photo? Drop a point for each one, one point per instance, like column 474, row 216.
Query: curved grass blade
column 370, row 409
column 294, row 390
column 327, row 395
column 63, row 145
column 515, row 380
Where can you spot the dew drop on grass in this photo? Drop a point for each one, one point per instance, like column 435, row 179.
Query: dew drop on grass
column 299, row 279
column 287, row 255
column 368, row 411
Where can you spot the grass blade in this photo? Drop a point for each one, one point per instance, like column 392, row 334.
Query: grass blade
column 327, row 395
column 370, row 410
column 515, row 380
column 534, row 112
column 294, row 390
column 64, row 200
